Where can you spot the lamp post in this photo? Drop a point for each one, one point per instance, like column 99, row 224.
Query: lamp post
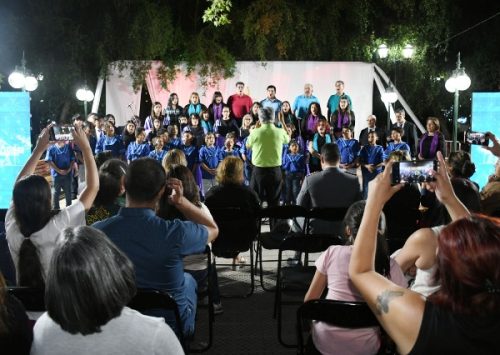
column 22, row 78
column 458, row 81
column 389, row 97
column 85, row 95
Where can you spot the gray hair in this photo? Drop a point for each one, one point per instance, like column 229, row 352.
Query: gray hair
column 266, row 115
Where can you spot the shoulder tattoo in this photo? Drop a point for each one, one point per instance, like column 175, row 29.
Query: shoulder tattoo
column 384, row 298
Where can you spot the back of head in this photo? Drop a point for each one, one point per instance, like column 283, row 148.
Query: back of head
column 266, row 115
column 352, row 222
column 89, row 281
column 190, row 192
column 173, row 157
column 467, row 193
column 461, row 165
column 144, row 180
column 111, row 174
column 32, row 211
column 468, row 268
column 230, row 171
column 330, row 153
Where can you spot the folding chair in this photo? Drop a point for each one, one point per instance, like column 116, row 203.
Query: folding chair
column 296, row 280
column 33, row 299
column 338, row 313
column 237, row 231
column 271, row 240
column 208, row 293
column 147, row 300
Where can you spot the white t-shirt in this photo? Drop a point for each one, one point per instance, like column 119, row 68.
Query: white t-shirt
column 45, row 239
column 129, row 333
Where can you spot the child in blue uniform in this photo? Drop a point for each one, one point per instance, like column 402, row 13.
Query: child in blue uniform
column 209, row 160
column 61, row 159
column 397, row 143
column 110, row 142
column 192, row 157
column 229, row 148
column 158, row 153
column 294, row 165
column 371, row 159
column 349, row 149
column 246, row 156
column 320, row 138
column 139, row 148
column 174, row 142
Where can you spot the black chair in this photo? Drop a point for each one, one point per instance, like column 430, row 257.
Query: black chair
column 238, row 228
column 338, row 313
column 295, row 280
column 147, row 300
column 271, row 240
column 33, row 299
column 207, row 292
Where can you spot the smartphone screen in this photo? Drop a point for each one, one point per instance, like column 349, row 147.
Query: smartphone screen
column 476, row 138
column 413, row 171
column 62, row 132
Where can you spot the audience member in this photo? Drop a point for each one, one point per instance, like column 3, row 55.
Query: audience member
column 490, row 194
column 330, row 187
column 16, row 333
column 332, row 271
column 301, row 103
column 372, row 127
column 89, row 285
column 156, row 246
column 31, row 225
column 174, row 157
column 431, row 141
column 271, row 101
column 409, row 131
column 111, row 187
column 231, row 192
column 239, row 103
column 463, row 317
column 266, row 143
column 333, row 100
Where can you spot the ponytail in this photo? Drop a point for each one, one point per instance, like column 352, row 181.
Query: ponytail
column 29, row 267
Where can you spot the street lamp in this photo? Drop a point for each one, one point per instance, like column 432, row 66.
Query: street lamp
column 22, row 78
column 383, row 51
column 408, row 51
column 459, row 81
column 85, row 95
column 389, row 97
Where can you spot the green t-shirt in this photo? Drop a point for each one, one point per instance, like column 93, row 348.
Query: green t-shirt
column 266, row 143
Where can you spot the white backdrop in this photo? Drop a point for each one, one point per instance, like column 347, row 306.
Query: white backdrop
column 288, row 77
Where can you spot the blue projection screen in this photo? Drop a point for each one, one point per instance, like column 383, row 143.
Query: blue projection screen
column 485, row 118
column 15, row 140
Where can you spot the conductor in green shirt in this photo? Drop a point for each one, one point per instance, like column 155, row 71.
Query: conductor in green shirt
column 266, row 143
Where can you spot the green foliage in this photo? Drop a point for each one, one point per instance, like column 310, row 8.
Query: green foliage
column 218, row 12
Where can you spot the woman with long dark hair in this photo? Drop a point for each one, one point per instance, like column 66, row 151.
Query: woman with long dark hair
column 31, row 225
column 215, row 107
column 332, row 271
column 343, row 115
column 463, row 317
column 172, row 111
column 156, row 113
column 89, row 285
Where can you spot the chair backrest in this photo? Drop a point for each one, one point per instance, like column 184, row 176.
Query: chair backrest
column 33, row 299
column 284, row 212
column 339, row 313
column 155, row 300
column 238, row 227
column 309, row 244
column 325, row 219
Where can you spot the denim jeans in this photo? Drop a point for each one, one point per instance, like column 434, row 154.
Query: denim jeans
column 292, row 187
column 61, row 182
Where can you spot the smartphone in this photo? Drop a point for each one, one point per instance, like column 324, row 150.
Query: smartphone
column 61, row 132
column 476, row 138
column 413, row 171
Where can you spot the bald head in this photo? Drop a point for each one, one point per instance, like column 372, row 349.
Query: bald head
column 372, row 120
column 308, row 89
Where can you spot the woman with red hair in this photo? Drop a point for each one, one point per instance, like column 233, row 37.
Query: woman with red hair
column 463, row 317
